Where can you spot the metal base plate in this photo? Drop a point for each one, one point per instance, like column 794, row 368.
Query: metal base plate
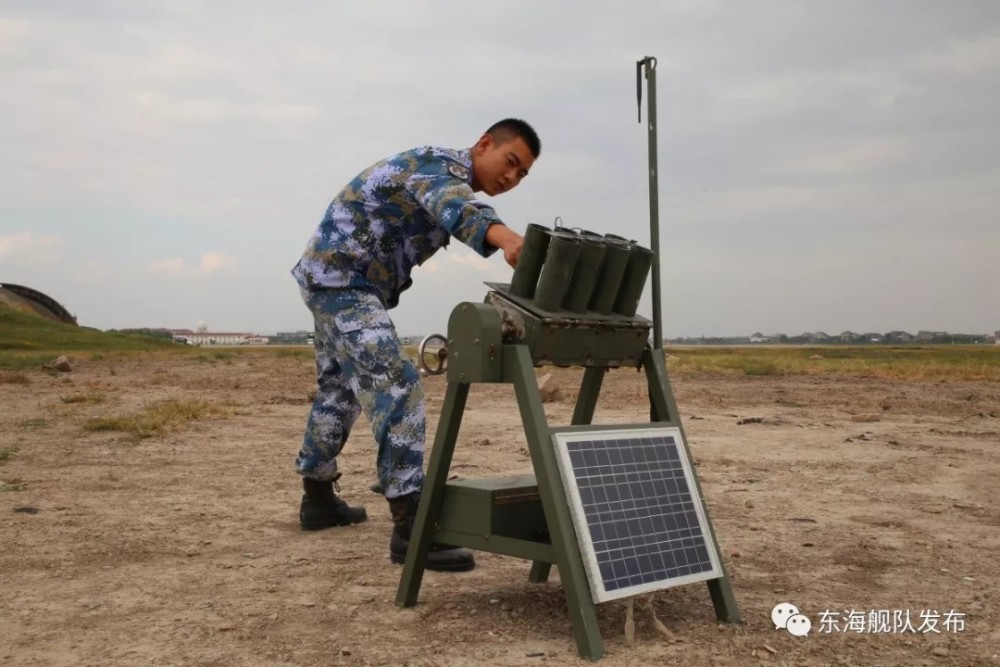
column 567, row 317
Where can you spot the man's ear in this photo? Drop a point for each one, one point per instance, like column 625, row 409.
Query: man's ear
column 484, row 143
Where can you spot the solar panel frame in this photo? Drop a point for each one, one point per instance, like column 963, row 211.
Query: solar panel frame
column 562, row 439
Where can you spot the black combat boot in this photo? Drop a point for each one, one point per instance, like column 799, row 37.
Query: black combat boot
column 321, row 508
column 440, row 557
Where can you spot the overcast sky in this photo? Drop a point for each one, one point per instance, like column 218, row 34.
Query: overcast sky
column 823, row 165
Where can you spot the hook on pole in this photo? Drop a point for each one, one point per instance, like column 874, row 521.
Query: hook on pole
column 638, row 87
column 648, row 60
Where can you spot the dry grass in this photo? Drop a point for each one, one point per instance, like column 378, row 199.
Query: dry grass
column 294, row 353
column 911, row 362
column 213, row 356
column 11, row 377
column 6, row 453
column 89, row 397
column 157, row 418
column 12, row 485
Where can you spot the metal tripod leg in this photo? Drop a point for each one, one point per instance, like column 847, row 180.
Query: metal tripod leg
column 432, row 493
column 586, row 403
column 518, row 368
column 663, row 402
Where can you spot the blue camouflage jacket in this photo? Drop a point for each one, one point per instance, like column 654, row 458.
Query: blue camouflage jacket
column 394, row 216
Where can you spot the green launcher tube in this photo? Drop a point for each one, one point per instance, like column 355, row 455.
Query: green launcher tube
column 634, row 281
column 586, row 273
column 560, row 261
column 609, row 280
column 529, row 266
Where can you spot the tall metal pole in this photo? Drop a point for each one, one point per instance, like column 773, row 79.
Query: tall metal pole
column 647, row 66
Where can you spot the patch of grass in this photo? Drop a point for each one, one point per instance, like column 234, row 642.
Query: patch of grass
column 29, row 340
column 904, row 362
column 761, row 368
column 89, row 397
column 6, row 453
column 156, row 418
column 217, row 355
column 38, row 422
column 10, row 377
column 12, row 485
column 296, row 353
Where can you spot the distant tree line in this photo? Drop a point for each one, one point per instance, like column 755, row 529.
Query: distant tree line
column 893, row 338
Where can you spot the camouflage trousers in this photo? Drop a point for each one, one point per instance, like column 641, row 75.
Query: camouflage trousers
column 361, row 365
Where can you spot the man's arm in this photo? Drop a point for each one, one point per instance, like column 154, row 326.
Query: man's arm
column 452, row 203
column 501, row 236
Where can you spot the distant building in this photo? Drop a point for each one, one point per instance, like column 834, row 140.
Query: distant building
column 759, row 338
column 928, row 336
column 217, row 338
column 848, row 336
column 898, row 337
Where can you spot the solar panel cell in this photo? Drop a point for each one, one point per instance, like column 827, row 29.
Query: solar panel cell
column 635, row 509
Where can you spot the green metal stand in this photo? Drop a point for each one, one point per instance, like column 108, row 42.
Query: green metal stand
column 561, row 548
column 571, row 302
column 452, row 513
column 662, row 399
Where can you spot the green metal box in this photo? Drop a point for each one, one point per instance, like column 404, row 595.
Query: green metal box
column 495, row 506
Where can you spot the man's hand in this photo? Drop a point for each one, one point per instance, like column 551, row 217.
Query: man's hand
column 505, row 238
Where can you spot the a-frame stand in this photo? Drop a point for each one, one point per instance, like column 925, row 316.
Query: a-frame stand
column 571, row 302
column 449, row 513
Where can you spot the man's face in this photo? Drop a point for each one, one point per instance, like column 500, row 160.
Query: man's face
column 498, row 167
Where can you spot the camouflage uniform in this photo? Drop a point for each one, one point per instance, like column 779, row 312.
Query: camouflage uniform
column 390, row 218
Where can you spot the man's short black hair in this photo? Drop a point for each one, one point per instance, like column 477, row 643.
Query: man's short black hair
column 508, row 128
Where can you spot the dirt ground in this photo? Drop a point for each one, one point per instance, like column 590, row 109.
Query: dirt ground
column 844, row 494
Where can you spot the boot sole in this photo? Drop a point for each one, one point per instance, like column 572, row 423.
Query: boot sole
column 455, row 566
column 320, row 525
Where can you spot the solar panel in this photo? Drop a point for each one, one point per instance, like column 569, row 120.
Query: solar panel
column 638, row 516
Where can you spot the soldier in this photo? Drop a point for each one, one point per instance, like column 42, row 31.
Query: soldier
column 391, row 217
